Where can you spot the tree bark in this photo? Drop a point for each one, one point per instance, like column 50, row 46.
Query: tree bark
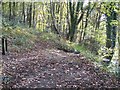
column 74, row 18
column 14, row 10
column 30, row 15
column 10, row 9
column 53, row 24
column 3, row 46
column 111, row 31
column 108, row 32
column 34, row 14
column 23, row 12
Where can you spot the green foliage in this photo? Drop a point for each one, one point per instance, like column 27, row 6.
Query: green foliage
column 20, row 37
column 66, row 45
column 91, row 44
column 87, row 53
column 112, row 68
column 100, row 34
column 71, row 47
column 117, row 72
column 49, row 36
column 105, row 52
column 114, row 22
column 108, row 7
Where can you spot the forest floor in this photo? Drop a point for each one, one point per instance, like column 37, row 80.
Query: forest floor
column 47, row 67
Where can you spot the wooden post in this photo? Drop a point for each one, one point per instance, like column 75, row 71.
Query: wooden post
column 6, row 44
column 3, row 45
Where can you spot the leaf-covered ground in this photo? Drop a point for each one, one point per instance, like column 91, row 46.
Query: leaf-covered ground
column 45, row 66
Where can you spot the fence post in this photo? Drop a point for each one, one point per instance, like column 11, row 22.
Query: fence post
column 6, row 44
column 3, row 46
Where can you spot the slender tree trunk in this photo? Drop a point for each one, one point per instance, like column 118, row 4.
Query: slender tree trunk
column 14, row 11
column 108, row 32
column 3, row 46
column 119, row 36
column 61, row 15
column 68, row 22
column 89, row 10
column 98, row 21
column 27, row 14
column 99, row 14
column 111, row 32
column 10, row 9
column 3, row 9
column 30, row 15
column 118, row 43
column 114, row 17
column 80, row 38
column 74, row 18
column 34, row 14
column 53, row 24
column 23, row 12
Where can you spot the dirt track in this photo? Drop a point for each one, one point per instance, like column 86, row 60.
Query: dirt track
column 48, row 67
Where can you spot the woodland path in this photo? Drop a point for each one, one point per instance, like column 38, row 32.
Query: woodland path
column 46, row 67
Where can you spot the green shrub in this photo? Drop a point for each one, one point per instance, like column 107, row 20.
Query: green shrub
column 21, row 37
column 91, row 44
column 105, row 52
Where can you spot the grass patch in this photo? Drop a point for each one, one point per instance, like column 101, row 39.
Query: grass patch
column 20, row 38
column 67, row 45
column 87, row 53
column 49, row 36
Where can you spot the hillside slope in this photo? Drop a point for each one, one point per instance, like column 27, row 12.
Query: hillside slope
column 46, row 66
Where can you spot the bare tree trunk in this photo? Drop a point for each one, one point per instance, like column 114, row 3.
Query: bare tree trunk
column 53, row 24
column 27, row 14
column 89, row 10
column 80, row 38
column 23, row 12
column 14, row 10
column 34, row 14
column 10, row 9
column 74, row 18
column 118, row 43
column 30, row 17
